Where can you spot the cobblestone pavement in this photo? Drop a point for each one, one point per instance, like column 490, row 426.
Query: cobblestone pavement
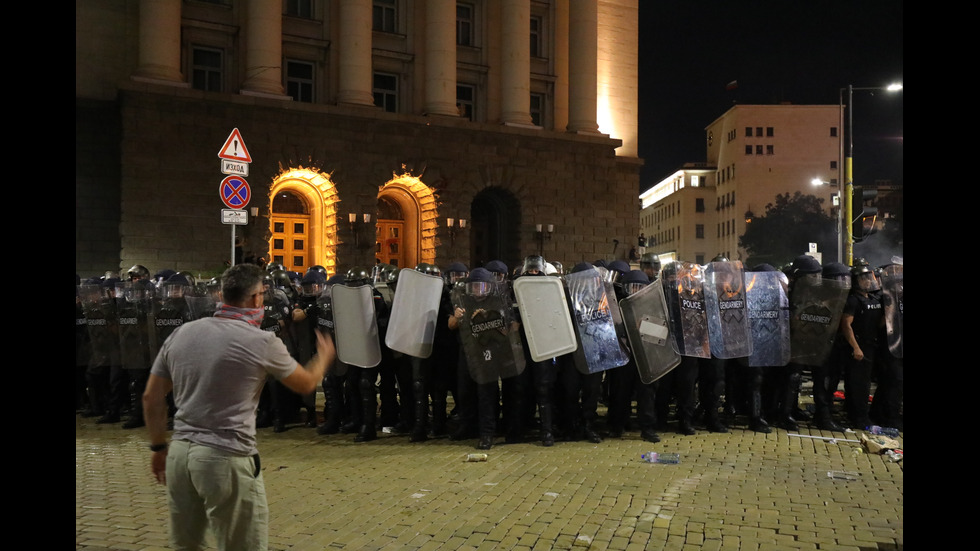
column 735, row 491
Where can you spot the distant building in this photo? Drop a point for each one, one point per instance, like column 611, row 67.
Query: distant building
column 754, row 152
column 393, row 131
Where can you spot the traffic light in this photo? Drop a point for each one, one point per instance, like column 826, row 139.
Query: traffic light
column 865, row 218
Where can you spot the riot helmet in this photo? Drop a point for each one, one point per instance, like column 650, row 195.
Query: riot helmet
column 312, row 283
column 559, row 268
column 428, row 269
column 617, row 268
column 533, row 265
column 357, row 276
column 581, row 267
column 498, row 269
column 837, row 272
column 318, row 268
column 273, row 266
column 720, row 258
column 863, row 279
column 650, row 264
column 549, row 269
column 138, row 271
column 191, row 280
column 633, row 281
column 480, row 283
column 456, row 272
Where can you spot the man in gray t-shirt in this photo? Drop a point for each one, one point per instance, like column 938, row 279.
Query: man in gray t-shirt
column 216, row 368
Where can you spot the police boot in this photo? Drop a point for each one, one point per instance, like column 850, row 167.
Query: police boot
column 825, row 421
column 420, row 430
column 439, row 416
column 547, row 437
column 331, row 411
column 135, row 420
column 756, row 422
column 485, row 443
column 590, row 434
column 369, row 412
column 713, row 422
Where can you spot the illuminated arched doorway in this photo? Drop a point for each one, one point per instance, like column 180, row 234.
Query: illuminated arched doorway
column 303, row 220
column 409, row 235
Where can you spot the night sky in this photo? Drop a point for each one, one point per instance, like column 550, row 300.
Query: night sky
column 802, row 52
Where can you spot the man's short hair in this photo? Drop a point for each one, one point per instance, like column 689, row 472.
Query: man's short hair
column 238, row 282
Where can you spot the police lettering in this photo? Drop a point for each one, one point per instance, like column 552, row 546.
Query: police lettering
column 873, row 306
column 731, row 305
column 597, row 314
column 689, row 304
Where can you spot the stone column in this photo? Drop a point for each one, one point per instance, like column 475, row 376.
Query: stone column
column 159, row 55
column 583, row 46
column 355, row 74
column 440, row 57
column 263, row 48
column 515, row 61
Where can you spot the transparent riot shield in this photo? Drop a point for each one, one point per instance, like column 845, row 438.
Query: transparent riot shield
column 199, row 307
column 414, row 313
column 97, row 321
column 545, row 316
column 133, row 311
column 356, row 325
column 816, row 305
column 768, row 310
column 490, row 336
column 600, row 347
column 647, row 326
column 684, row 290
column 169, row 313
column 325, row 324
column 728, row 322
column 893, row 291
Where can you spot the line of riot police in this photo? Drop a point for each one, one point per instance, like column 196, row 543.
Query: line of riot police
column 541, row 350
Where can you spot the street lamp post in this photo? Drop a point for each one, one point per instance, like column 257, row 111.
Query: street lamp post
column 848, row 191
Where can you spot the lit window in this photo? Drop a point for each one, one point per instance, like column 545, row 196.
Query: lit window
column 299, row 81
column 385, row 16
column 386, row 92
column 206, row 69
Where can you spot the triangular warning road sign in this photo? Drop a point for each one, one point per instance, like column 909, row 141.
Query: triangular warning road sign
column 234, row 148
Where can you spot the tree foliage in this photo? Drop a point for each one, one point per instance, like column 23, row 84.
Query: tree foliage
column 790, row 224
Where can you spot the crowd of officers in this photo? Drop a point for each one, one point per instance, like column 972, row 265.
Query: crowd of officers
column 120, row 324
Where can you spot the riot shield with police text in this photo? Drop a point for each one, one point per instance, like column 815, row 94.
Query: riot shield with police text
column 592, row 318
column 684, row 290
column 768, row 310
column 356, row 326
column 816, row 305
column 414, row 313
column 648, row 328
column 728, row 322
column 490, row 336
column 545, row 316
column 893, row 293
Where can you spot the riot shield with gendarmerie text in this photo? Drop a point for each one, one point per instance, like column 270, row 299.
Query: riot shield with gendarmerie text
column 490, row 336
column 414, row 313
column 728, row 322
column 816, row 305
column 356, row 326
column 768, row 310
column 647, row 326
column 545, row 316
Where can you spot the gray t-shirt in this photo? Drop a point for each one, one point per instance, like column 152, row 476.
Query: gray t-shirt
column 218, row 367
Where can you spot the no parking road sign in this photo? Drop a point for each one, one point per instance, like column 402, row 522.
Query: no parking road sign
column 235, row 192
